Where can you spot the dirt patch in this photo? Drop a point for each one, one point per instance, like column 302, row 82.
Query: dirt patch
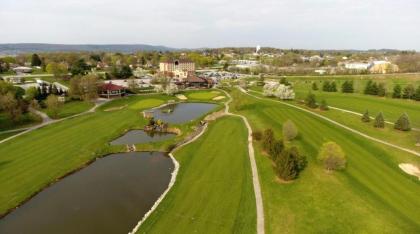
column 181, row 97
column 115, row 108
column 410, row 169
column 219, row 98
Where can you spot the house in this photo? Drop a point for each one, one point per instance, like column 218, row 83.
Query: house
column 22, row 69
column 193, row 81
column 383, row 67
column 110, row 90
column 357, row 66
column 179, row 68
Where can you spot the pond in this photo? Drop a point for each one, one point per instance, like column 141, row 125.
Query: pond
column 109, row 196
column 182, row 112
column 140, row 136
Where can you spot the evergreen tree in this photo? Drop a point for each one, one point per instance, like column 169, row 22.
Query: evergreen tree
column 397, row 91
column 379, row 121
column 333, row 87
column 284, row 81
column 314, row 86
column 417, row 94
column 366, row 117
column 324, row 105
column 347, row 87
column 268, row 140
column 276, row 149
column 368, row 87
column 403, row 123
column 408, row 92
column 381, row 90
column 289, row 163
column 311, row 101
column 374, row 89
column 326, row 86
column 35, row 60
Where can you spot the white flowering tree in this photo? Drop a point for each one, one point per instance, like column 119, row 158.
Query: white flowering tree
column 281, row 91
column 171, row 89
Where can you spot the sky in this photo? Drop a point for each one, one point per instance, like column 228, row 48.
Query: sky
column 303, row 24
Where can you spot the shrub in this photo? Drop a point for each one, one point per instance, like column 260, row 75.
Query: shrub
column 366, row 117
column 311, row 101
column 379, row 121
column 397, row 91
column 257, row 135
column 408, row 92
column 276, row 149
column 403, row 123
column 332, row 156
column 324, row 105
column 268, row 139
column 289, row 164
column 289, row 130
column 347, row 87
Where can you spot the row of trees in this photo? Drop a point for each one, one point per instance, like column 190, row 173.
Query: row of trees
column 346, row 87
column 12, row 101
column 329, row 86
column 311, row 102
column 409, row 92
column 402, row 123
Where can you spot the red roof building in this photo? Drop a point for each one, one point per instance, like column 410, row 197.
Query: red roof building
column 110, row 90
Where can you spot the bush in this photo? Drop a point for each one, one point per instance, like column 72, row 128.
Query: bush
column 257, row 135
column 332, row 156
column 403, row 123
column 379, row 121
column 324, row 105
column 366, row 117
column 289, row 164
column 289, row 130
column 311, row 101
column 276, row 149
column 268, row 139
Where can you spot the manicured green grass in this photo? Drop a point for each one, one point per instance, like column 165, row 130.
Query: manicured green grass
column 203, row 95
column 26, row 120
column 7, row 135
column 31, row 161
column 147, row 103
column 71, row 108
column 372, row 195
column 213, row 192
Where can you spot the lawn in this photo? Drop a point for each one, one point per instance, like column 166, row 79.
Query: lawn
column 31, row 161
column 213, row 192
column 8, row 134
column 71, row 108
column 146, row 104
column 372, row 195
column 203, row 95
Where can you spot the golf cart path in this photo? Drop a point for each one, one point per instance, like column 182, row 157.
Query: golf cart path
column 336, row 123
column 47, row 120
column 254, row 169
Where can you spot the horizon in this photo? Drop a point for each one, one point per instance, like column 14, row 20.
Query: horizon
column 324, row 25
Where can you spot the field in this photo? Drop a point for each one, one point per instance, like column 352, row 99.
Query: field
column 202, row 95
column 72, row 108
column 213, row 192
column 372, row 195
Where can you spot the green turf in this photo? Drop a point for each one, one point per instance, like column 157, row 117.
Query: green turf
column 147, row 103
column 26, row 120
column 71, row 108
column 8, row 134
column 372, row 195
column 203, row 95
column 213, row 192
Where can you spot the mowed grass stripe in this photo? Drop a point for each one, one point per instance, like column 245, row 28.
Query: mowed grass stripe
column 213, row 192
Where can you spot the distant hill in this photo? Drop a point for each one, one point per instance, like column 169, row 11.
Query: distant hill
column 39, row 47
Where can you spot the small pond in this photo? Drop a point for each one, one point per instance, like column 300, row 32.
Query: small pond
column 182, row 112
column 140, row 136
column 109, row 196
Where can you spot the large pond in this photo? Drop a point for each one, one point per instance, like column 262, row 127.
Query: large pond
column 109, row 196
column 140, row 136
column 182, row 112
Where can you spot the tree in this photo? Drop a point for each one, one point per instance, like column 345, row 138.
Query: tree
column 332, row 156
column 333, row 87
column 80, row 67
column 381, row 90
column 314, row 86
column 268, row 139
column 75, row 91
column 35, row 60
column 289, row 164
column 417, row 94
column 324, row 105
column 89, row 87
column 31, row 93
column 366, row 117
column 126, row 72
column 289, row 130
column 408, row 92
column 311, row 101
column 132, row 85
column 403, row 123
column 57, row 69
column 53, row 105
column 397, row 91
column 326, row 86
column 276, row 149
column 347, row 87
column 284, row 81
column 379, row 121
column 11, row 106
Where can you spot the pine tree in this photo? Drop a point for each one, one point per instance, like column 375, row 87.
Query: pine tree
column 289, row 163
column 379, row 121
column 311, row 101
column 326, row 86
column 381, row 90
column 314, row 86
column 417, row 94
column 268, row 139
column 368, row 87
column 408, row 92
column 35, row 60
column 403, row 123
column 324, row 105
column 333, row 87
column 397, row 91
column 366, row 117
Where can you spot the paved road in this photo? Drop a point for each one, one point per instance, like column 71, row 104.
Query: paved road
column 254, row 169
column 336, row 123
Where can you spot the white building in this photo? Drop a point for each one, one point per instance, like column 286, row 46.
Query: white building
column 357, row 66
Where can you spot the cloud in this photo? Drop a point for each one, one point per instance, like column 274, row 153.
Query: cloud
column 336, row 24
